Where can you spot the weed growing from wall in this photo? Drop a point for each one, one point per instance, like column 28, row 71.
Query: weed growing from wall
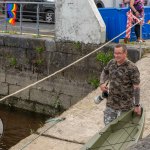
column 57, row 105
column 39, row 61
column 13, row 61
column 39, row 57
column 39, row 50
column 94, row 81
column 104, row 58
column 77, row 45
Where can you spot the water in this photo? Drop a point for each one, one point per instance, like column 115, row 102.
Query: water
column 18, row 124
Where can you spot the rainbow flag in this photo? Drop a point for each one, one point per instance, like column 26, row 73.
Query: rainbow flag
column 11, row 11
column 148, row 22
column 12, row 21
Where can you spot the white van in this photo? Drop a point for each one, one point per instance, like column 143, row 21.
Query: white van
column 108, row 3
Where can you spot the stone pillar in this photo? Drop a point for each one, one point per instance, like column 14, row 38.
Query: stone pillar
column 79, row 20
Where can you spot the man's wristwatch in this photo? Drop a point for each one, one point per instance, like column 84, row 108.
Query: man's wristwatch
column 137, row 105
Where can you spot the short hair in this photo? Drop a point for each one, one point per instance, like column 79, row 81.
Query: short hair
column 124, row 48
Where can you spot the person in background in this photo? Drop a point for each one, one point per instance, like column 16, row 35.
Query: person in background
column 137, row 8
column 148, row 2
column 126, row 3
column 124, row 90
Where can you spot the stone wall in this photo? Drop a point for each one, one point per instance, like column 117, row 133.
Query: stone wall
column 25, row 60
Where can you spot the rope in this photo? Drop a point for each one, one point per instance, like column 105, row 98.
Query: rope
column 56, row 120
column 75, row 62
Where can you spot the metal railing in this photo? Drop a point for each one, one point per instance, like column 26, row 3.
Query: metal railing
column 34, row 18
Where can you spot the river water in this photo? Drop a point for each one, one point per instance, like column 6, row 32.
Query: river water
column 18, row 124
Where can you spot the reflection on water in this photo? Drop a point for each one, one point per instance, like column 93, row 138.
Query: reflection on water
column 18, row 125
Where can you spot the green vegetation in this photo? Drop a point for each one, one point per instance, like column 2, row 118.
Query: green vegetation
column 104, row 58
column 39, row 58
column 57, row 104
column 39, row 61
column 132, row 43
column 13, row 32
column 94, row 82
column 77, row 45
column 39, row 50
column 37, row 36
column 13, row 61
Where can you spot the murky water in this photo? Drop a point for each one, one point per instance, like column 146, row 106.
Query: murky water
column 18, row 125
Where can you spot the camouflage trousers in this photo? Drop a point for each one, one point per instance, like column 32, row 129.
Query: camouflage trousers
column 111, row 114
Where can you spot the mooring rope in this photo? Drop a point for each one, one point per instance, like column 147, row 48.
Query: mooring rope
column 68, row 66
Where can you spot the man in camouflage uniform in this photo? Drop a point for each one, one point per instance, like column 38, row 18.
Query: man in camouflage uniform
column 124, row 80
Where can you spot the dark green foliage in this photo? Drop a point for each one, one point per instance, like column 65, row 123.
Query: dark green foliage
column 94, row 82
column 13, row 61
column 104, row 58
column 39, row 49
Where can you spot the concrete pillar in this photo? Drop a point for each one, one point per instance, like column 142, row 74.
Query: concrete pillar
column 79, row 20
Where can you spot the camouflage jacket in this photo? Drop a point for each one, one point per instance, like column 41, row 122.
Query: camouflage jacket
column 121, row 80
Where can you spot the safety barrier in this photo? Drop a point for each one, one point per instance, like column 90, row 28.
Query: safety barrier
column 116, row 20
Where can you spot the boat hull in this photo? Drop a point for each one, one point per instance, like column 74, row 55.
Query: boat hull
column 121, row 133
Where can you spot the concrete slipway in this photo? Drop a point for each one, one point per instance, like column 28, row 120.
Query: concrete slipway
column 84, row 119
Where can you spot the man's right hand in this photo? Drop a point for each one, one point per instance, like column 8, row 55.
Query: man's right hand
column 137, row 14
column 103, row 87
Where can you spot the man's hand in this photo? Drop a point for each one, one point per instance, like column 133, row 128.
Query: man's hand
column 103, row 87
column 137, row 14
column 137, row 110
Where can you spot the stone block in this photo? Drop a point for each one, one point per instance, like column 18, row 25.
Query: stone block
column 134, row 54
column 12, row 41
column 1, row 42
column 47, row 85
column 14, row 88
column 75, row 99
column 2, row 76
column 65, row 101
column 41, row 96
column 21, row 78
column 50, row 45
column 3, row 88
column 73, row 88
